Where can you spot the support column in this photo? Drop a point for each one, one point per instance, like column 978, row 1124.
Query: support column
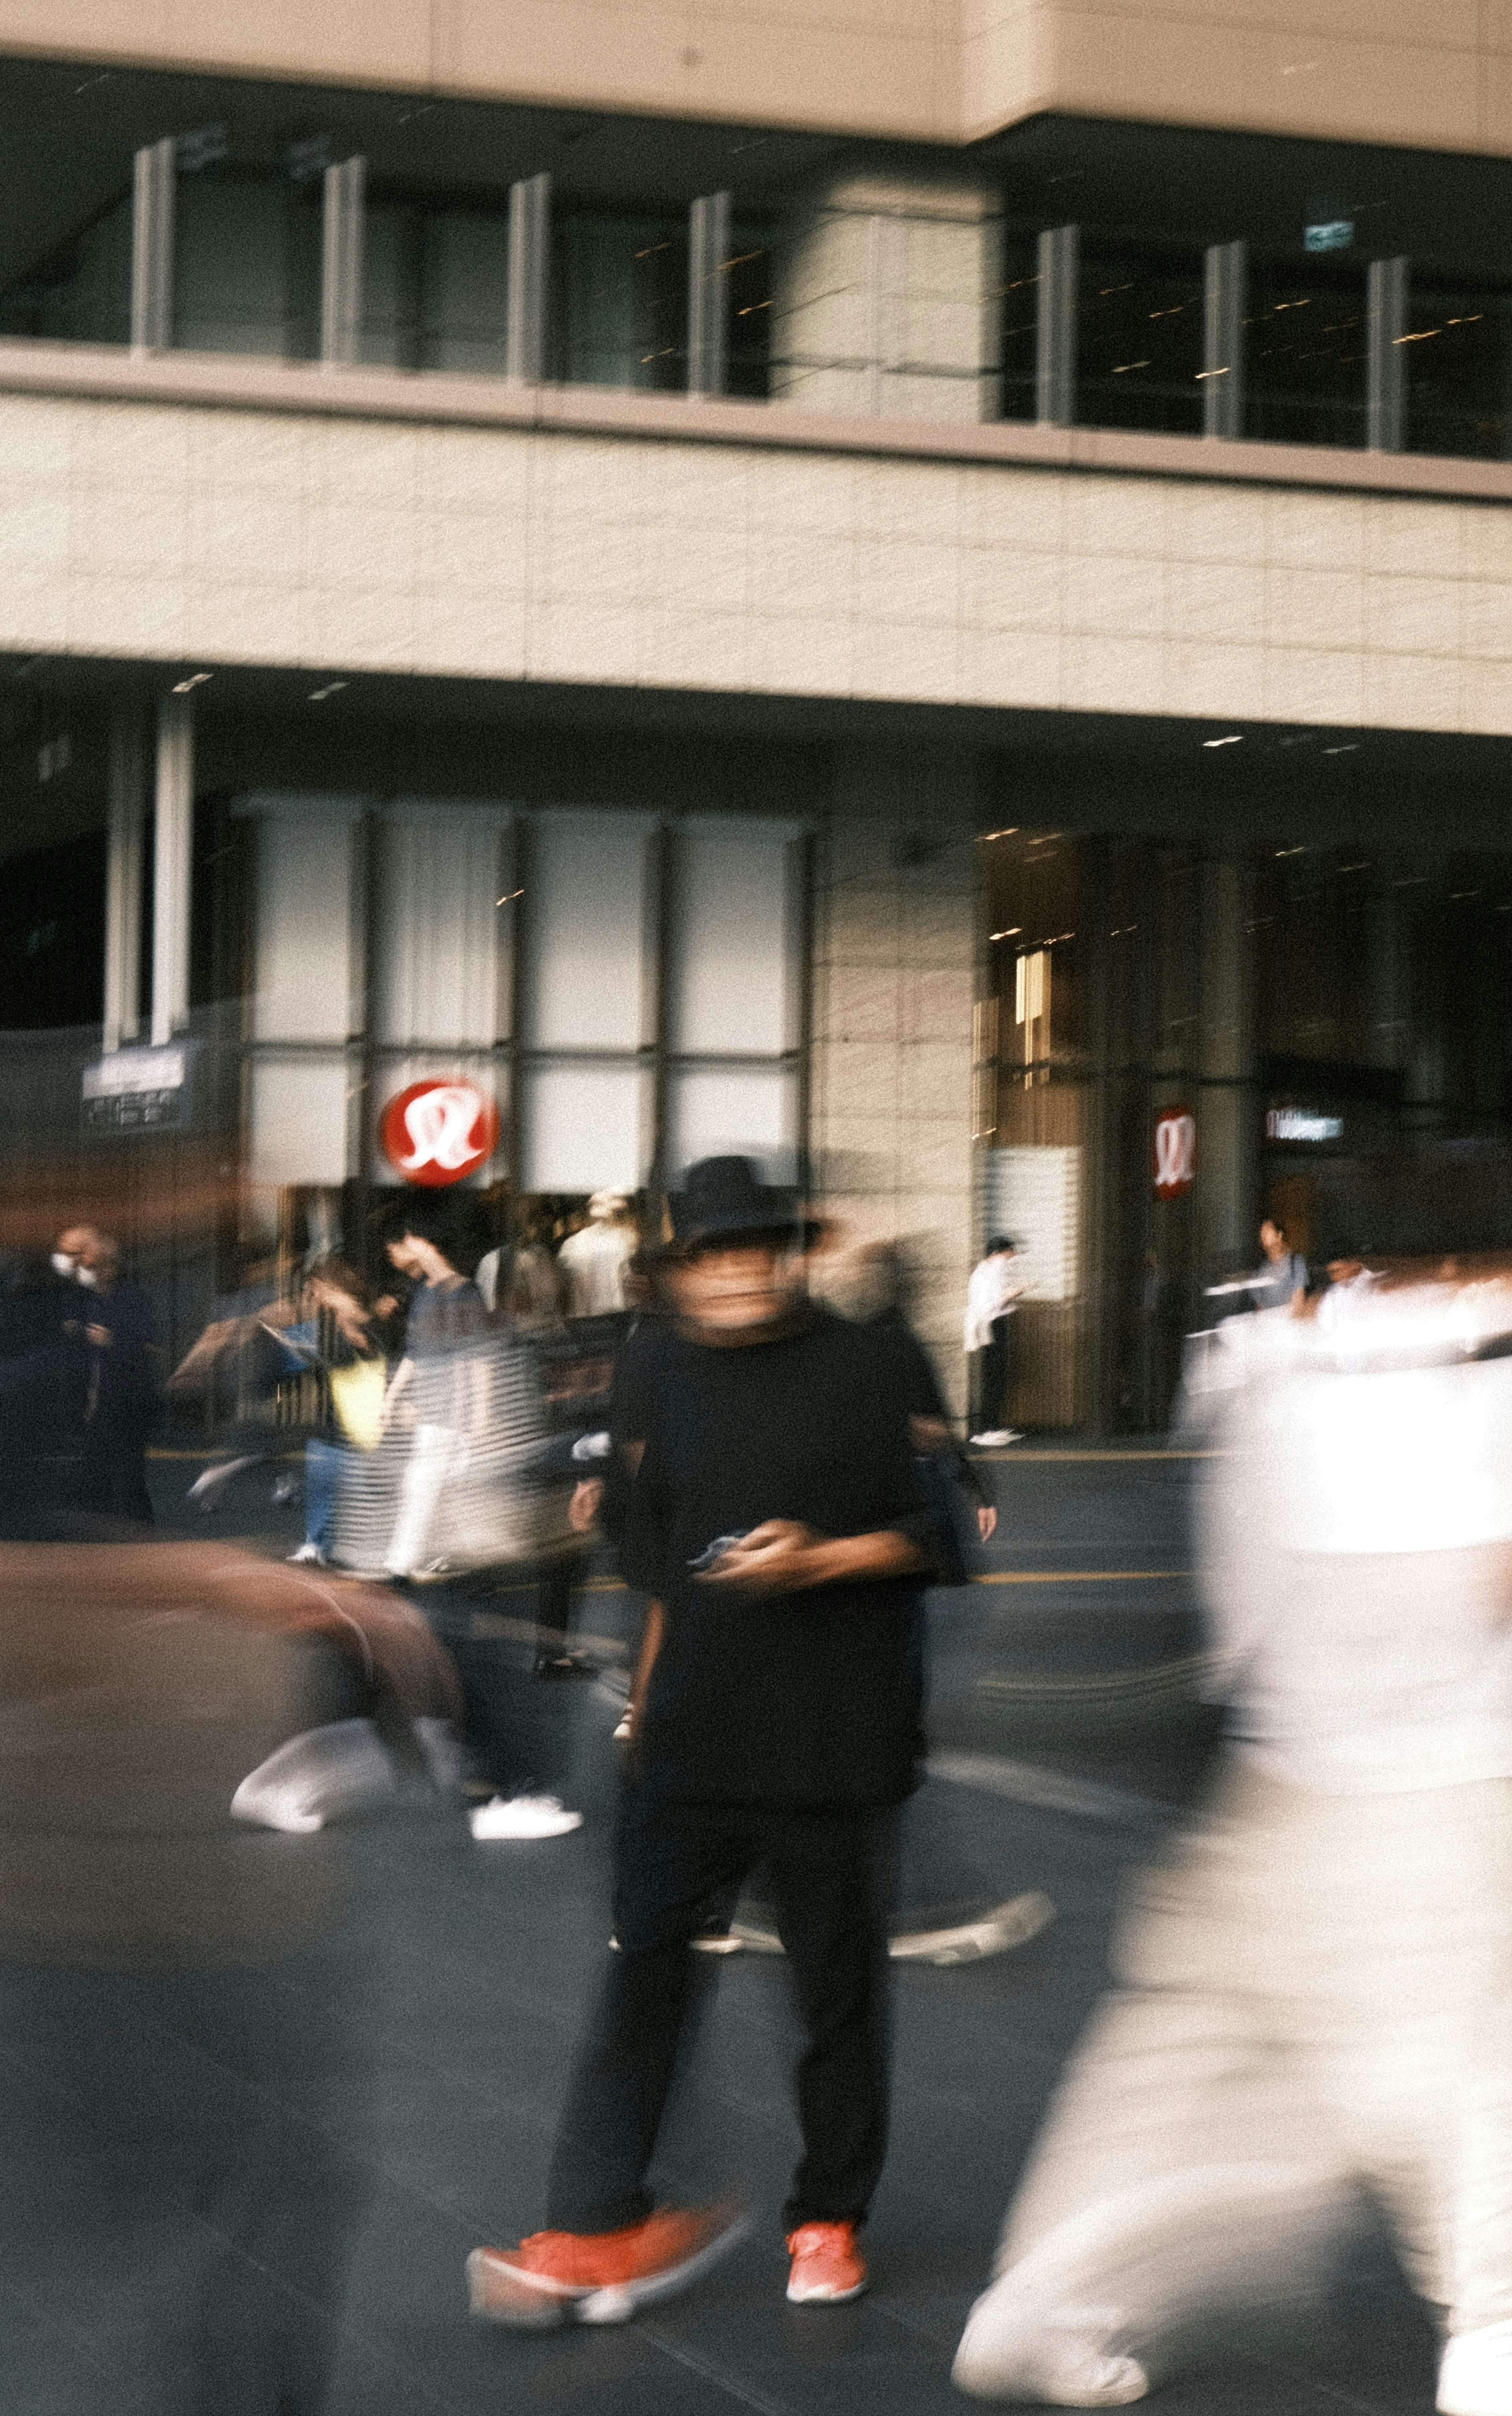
column 887, row 296
column 341, row 251
column 123, row 879
column 895, row 934
column 708, row 252
column 152, row 247
column 173, row 858
column 529, row 264
column 1386, row 324
column 1056, row 343
column 1226, row 280
column 1223, row 1195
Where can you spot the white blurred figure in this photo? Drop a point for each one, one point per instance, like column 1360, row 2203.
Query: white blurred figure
column 994, row 1291
column 1313, row 1992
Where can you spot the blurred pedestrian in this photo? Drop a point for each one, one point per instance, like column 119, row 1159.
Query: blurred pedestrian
column 441, row 1380
column 776, row 1520
column 121, row 1387
column 339, row 1325
column 993, row 1295
column 1282, row 1272
column 1314, row 1992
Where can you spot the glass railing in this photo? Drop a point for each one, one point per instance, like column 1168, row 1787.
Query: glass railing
column 927, row 314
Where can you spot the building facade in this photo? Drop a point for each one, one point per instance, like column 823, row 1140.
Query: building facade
column 924, row 592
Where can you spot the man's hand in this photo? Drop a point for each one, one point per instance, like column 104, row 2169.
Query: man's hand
column 774, row 1558
column 100, row 1335
column 783, row 1557
column 986, row 1522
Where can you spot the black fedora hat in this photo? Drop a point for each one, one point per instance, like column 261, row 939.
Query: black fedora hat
column 721, row 1198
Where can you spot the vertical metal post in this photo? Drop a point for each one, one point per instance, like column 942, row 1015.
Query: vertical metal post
column 341, row 249
column 708, row 252
column 1386, row 324
column 173, row 858
column 1225, row 279
column 152, row 247
column 529, row 260
column 123, row 879
column 1056, row 336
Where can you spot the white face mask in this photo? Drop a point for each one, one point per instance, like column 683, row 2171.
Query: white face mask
column 87, row 1275
column 62, row 1263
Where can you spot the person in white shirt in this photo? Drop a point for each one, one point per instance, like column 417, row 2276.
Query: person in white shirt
column 1313, row 1997
column 992, row 1294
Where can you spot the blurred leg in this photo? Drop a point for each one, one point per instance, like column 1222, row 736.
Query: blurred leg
column 668, row 1861
column 833, row 1879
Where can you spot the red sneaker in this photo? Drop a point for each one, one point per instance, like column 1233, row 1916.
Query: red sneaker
column 828, row 2267
column 598, row 2277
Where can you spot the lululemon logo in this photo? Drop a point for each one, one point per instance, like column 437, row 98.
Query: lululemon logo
column 439, row 1132
column 1175, row 1151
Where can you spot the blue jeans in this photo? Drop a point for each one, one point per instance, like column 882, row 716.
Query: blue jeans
column 325, row 1466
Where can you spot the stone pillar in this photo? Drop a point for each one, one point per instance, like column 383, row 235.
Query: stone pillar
column 530, row 272
column 123, row 878
column 708, row 252
column 1224, row 1190
column 173, row 867
column 887, row 297
column 154, row 190
column 1386, row 324
column 1057, row 314
column 1225, row 284
column 341, row 252
column 895, row 946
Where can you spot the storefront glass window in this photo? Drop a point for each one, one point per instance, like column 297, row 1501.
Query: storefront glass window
column 1305, row 353
column 1140, row 339
column 623, row 288
column 1458, row 349
column 1020, row 327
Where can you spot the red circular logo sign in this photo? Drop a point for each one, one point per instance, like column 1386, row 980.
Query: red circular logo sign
column 439, row 1132
column 1175, row 1151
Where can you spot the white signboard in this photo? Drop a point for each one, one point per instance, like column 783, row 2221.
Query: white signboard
column 1034, row 1195
column 134, row 1090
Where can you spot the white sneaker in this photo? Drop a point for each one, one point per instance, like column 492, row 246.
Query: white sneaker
column 523, row 1816
column 1475, row 2373
column 310, row 1553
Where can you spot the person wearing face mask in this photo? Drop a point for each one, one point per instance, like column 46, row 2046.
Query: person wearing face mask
column 121, row 1387
column 776, row 1520
column 69, row 1255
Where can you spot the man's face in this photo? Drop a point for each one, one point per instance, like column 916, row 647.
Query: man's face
column 1270, row 1239
column 75, row 1243
column 401, row 1254
column 736, row 1288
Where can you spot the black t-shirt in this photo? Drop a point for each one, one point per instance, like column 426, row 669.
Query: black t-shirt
column 807, row 1700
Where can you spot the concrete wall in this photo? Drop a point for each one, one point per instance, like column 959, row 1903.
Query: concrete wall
column 794, row 563
column 1431, row 72
column 894, row 980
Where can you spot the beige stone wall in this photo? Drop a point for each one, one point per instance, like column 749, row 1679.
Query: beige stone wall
column 1396, row 71
column 893, row 985
column 307, row 539
column 886, row 297
column 1437, row 73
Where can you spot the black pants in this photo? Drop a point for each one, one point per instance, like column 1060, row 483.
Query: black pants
column 829, row 1877
column 113, row 1469
column 994, row 1372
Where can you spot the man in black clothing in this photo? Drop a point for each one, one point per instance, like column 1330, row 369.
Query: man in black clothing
column 121, row 1386
column 776, row 1520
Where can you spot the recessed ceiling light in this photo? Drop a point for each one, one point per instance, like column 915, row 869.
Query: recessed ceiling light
column 1236, row 740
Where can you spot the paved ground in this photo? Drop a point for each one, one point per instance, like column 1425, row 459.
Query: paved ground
column 344, row 2126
